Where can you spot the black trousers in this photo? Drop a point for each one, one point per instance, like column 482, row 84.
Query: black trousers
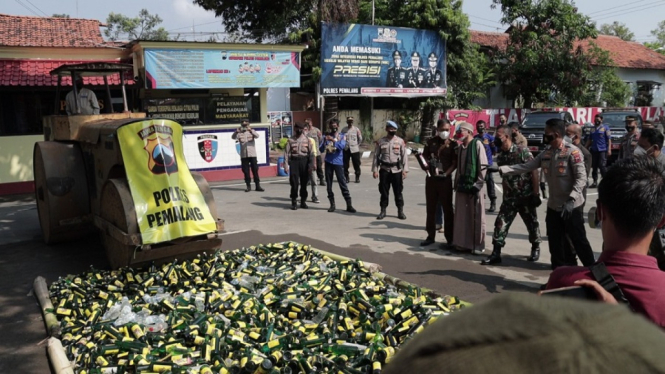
column 386, row 180
column 489, row 180
column 598, row 161
column 319, row 167
column 299, row 176
column 355, row 159
column 560, row 230
column 439, row 192
column 338, row 172
column 247, row 164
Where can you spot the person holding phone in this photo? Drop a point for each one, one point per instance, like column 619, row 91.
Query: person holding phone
column 630, row 206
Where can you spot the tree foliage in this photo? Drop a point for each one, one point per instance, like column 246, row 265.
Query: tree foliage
column 617, row 29
column 605, row 87
column 142, row 27
column 543, row 57
column 659, row 33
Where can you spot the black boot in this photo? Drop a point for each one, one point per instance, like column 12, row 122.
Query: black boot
column 322, row 182
column 303, row 204
column 357, row 178
column 400, row 213
column 382, row 215
column 492, row 206
column 494, row 258
column 349, row 207
column 594, row 185
column 535, row 253
column 258, row 187
column 249, row 187
column 332, row 205
column 294, row 204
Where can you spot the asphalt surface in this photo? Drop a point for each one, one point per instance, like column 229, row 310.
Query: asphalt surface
column 262, row 217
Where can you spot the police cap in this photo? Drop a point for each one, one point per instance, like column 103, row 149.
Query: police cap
column 415, row 54
column 631, row 118
column 432, row 56
column 397, row 54
column 391, row 124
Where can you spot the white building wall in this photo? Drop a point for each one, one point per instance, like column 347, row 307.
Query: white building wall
column 634, row 75
column 279, row 99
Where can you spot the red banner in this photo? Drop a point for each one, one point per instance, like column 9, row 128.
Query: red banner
column 581, row 115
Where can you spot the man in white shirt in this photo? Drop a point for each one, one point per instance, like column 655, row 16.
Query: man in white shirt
column 87, row 100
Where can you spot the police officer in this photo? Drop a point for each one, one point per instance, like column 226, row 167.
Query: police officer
column 441, row 155
column 394, row 79
column 412, row 72
column 520, row 195
column 518, row 138
column 600, row 145
column 300, row 163
column 333, row 144
column 629, row 141
column 390, row 165
column 245, row 136
column 352, row 150
column 490, row 149
column 433, row 76
column 563, row 167
column 315, row 133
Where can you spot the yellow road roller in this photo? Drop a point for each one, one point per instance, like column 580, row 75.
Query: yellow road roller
column 124, row 175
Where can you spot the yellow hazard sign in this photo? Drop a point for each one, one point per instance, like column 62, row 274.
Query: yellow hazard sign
column 168, row 202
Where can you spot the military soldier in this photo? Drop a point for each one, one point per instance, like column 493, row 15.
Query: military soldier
column 629, row 141
column 301, row 163
column 245, row 135
column 520, row 195
column 433, row 76
column 412, row 72
column 394, row 79
column 352, row 149
column 563, row 167
column 390, row 165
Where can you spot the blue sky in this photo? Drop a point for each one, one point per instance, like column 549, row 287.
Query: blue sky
column 181, row 16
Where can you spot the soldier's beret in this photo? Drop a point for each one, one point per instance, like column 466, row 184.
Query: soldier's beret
column 300, row 125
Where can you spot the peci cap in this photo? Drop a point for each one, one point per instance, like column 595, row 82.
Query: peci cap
column 532, row 334
column 465, row 126
column 391, row 124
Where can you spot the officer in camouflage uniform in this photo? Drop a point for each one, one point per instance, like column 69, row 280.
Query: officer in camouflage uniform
column 520, row 196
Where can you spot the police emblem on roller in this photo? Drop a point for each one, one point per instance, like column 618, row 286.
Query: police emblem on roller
column 207, row 145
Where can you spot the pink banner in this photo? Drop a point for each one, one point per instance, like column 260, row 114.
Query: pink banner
column 581, row 115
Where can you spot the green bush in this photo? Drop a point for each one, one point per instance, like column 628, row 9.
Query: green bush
column 282, row 143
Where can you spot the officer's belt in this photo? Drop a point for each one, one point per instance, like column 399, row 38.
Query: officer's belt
column 297, row 157
column 392, row 165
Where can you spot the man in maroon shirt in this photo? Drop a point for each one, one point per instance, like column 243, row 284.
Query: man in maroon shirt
column 630, row 205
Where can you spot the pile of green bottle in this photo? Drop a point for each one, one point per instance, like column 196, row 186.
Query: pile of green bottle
column 275, row 308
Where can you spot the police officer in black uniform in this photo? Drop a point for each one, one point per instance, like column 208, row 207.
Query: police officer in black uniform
column 394, row 79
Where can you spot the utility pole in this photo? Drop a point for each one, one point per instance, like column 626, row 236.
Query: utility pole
column 371, row 99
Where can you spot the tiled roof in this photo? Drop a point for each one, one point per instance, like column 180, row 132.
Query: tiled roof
column 36, row 73
column 23, row 31
column 630, row 55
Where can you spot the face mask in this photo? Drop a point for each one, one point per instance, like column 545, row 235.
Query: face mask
column 498, row 142
column 568, row 139
column 630, row 128
column 481, row 130
column 547, row 139
column 392, row 132
column 444, row 135
column 460, row 135
column 502, row 121
column 639, row 151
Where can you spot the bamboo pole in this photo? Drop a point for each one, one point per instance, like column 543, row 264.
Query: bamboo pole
column 48, row 312
column 58, row 358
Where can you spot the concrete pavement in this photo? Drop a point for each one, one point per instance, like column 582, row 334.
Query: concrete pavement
column 260, row 217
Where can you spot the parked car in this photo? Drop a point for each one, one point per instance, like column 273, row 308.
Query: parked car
column 616, row 120
column 533, row 127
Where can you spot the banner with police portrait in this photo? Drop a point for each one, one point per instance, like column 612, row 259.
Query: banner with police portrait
column 365, row 60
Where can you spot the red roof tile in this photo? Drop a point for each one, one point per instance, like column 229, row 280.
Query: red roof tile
column 36, row 73
column 630, row 55
column 23, row 31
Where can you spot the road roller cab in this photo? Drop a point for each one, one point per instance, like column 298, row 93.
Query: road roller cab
column 125, row 176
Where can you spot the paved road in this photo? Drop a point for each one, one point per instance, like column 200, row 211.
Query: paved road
column 253, row 218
